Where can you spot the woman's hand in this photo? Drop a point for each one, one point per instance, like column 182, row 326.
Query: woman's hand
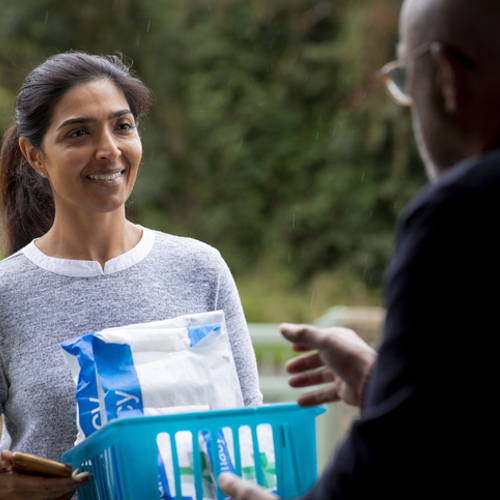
column 340, row 357
column 19, row 486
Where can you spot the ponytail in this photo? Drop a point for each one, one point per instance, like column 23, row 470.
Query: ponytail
column 26, row 202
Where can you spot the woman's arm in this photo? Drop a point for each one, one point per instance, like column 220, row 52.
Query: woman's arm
column 229, row 301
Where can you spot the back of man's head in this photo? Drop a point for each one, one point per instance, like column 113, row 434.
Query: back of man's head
column 453, row 59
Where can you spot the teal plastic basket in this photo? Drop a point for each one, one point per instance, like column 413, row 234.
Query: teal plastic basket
column 122, row 457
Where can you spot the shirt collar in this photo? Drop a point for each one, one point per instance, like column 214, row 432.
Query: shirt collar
column 87, row 268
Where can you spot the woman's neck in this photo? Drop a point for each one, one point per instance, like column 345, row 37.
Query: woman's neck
column 100, row 237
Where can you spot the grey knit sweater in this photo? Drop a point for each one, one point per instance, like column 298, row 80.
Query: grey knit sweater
column 44, row 301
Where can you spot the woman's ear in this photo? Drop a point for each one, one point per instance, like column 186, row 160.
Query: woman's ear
column 451, row 77
column 33, row 155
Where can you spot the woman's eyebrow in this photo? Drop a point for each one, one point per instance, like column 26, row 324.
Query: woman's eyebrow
column 88, row 119
column 117, row 114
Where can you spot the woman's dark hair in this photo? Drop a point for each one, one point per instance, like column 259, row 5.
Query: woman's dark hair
column 26, row 198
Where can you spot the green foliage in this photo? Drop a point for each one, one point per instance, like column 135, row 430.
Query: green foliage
column 269, row 137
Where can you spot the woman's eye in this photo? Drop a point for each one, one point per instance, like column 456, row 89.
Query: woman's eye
column 78, row 133
column 126, row 126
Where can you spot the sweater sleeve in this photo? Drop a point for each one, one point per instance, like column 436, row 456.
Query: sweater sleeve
column 3, row 387
column 244, row 356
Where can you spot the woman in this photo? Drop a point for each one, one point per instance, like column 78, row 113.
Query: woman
column 76, row 264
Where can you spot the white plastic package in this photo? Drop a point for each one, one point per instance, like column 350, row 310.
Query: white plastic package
column 177, row 362
column 178, row 365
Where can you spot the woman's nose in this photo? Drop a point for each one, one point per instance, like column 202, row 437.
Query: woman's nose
column 107, row 148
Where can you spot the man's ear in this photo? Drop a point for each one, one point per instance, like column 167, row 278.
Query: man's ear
column 450, row 76
column 33, row 155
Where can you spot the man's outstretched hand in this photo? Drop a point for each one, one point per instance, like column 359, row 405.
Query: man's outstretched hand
column 339, row 357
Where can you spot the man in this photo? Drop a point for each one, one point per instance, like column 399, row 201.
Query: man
column 426, row 429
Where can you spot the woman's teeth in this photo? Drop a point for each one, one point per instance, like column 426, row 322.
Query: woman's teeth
column 103, row 177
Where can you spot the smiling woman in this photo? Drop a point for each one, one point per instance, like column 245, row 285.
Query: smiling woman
column 90, row 154
column 76, row 264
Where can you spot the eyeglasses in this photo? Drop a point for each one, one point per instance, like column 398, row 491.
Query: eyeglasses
column 394, row 76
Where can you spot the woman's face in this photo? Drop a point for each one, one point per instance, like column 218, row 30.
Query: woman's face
column 91, row 150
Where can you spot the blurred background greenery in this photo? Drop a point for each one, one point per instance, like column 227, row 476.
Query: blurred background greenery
column 269, row 137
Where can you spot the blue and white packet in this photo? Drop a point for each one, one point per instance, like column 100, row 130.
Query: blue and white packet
column 182, row 361
column 178, row 365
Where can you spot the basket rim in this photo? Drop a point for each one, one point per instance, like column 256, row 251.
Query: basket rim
column 208, row 416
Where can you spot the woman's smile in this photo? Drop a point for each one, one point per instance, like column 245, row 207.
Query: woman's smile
column 105, row 177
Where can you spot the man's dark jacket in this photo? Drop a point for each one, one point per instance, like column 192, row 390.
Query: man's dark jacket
column 427, row 426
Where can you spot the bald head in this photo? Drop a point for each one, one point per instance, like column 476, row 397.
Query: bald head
column 453, row 65
column 472, row 26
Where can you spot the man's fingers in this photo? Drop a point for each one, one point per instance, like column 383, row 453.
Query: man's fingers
column 327, row 395
column 303, row 335
column 238, row 489
column 312, row 378
column 300, row 348
column 304, row 363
